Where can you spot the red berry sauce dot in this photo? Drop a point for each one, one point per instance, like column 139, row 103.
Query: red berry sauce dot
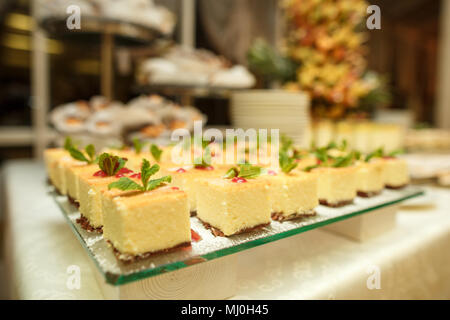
column 99, row 173
column 238, row 180
column 195, row 236
column 122, row 172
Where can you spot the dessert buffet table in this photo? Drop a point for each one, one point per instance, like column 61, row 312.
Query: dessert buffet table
column 44, row 258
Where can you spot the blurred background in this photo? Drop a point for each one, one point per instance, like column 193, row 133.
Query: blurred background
column 322, row 48
column 107, row 71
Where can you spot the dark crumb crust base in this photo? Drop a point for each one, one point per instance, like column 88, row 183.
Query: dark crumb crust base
column 73, row 202
column 279, row 216
column 84, row 223
column 368, row 194
column 335, row 204
column 396, row 187
column 218, row 233
column 127, row 258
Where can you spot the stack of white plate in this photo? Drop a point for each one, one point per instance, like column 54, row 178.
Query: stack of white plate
column 273, row 109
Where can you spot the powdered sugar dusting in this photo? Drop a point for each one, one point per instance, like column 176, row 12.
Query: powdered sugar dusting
column 102, row 254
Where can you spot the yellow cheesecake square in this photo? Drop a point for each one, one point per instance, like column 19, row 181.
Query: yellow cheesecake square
column 336, row 186
column 63, row 164
column 230, row 207
column 51, row 158
column 186, row 178
column 143, row 222
column 90, row 188
column 72, row 173
column 395, row 172
column 292, row 195
column 369, row 178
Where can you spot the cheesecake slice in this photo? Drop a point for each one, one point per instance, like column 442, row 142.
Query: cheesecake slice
column 138, row 224
column 51, row 159
column 63, row 165
column 292, row 195
column 336, row 186
column 90, row 188
column 186, row 178
column 369, row 179
column 395, row 172
column 72, row 181
column 232, row 206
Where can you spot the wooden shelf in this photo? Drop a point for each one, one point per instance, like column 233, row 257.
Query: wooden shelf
column 20, row 136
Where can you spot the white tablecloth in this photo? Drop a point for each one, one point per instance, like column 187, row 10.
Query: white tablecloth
column 410, row 262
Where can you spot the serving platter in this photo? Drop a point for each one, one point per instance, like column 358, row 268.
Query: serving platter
column 211, row 247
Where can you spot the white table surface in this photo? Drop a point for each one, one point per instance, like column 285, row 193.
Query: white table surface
column 413, row 259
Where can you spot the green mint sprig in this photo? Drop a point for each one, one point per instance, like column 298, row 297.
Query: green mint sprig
column 287, row 164
column 156, row 152
column 343, row 146
column 79, row 155
column 378, row 153
column 343, row 161
column 138, row 145
column 205, row 160
column 249, row 171
column 309, row 168
column 396, row 152
column 331, row 145
column 110, row 164
column 231, row 173
column 286, row 143
column 322, row 155
column 147, row 171
column 245, row 170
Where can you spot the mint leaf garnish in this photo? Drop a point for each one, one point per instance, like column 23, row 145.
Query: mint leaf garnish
column 286, row 142
column 90, row 151
column 375, row 154
column 137, row 145
column 156, row 152
column 343, row 145
column 153, row 184
column 331, row 145
column 298, row 154
column 147, row 171
column 322, row 155
column 205, row 160
column 245, row 170
column 79, row 155
column 124, row 184
column 287, row 164
column 231, row 173
column 396, row 152
column 110, row 164
column 249, row 171
column 343, row 161
column 309, row 168
column 68, row 143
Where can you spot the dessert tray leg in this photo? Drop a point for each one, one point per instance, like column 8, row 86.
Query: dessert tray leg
column 367, row 226
column 213, row 280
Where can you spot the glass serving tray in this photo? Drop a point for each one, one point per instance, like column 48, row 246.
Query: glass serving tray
column 210, row 247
